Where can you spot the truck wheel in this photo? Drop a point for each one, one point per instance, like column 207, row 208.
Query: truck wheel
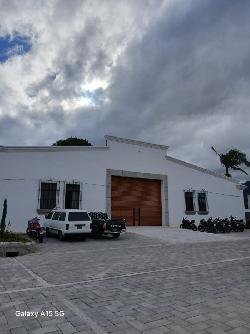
column 47, row 232
column 116, row 235
column 60, row 236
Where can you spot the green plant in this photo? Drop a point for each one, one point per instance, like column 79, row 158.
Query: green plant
column 232, row 160
column 12, row 237
column 3, row 219
column 72, row 141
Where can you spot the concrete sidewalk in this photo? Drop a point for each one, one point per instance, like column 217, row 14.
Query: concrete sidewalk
column 177, row 235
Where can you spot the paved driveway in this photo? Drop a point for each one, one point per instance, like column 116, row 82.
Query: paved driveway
column 177, row 235
column 136, row 284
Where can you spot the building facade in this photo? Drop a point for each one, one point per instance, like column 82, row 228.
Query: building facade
column 126, row 178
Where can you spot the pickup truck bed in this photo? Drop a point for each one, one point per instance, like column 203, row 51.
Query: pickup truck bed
column 101, row 224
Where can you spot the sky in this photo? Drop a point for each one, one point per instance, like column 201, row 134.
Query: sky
column 173, row 72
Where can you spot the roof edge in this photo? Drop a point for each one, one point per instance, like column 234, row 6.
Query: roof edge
column 201, row 169
column 51, row 148
column 135, row 142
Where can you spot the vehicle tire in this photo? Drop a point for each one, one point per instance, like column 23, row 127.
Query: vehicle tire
column 181, row 226
column 60, row 236
column 47, row 232
column 40, row 239
column 201, row 229
column 96, row 235
column 194, row 228
column 116, row 235
column 242, row 229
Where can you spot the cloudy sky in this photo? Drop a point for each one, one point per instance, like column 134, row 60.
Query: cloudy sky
column 174, row 72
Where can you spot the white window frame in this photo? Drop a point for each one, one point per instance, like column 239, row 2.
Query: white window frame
column 80, row 194
column 206, row 193
column 194, row 201
column 57, row 192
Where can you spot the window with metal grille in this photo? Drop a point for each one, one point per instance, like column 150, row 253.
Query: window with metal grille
column 48, row 195
column 189, row 200
column 202, row 202
column 72, row 196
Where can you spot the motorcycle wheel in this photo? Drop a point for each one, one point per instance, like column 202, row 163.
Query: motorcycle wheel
column 181, row 226
column 194, row 228
column 47, row 232
column 40, row 239
column 242, row 229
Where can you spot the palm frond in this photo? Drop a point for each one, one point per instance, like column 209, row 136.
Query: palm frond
column 215, row 151
column 238, row 168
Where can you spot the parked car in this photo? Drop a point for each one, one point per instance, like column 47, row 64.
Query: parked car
column 102, row 225
column 67, row 222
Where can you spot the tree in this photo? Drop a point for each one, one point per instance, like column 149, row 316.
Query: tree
column 4, row 214
column 72, row 141
column 232, row 160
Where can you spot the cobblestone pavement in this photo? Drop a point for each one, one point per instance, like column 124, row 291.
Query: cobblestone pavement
column 131, row 285
column 177, row 235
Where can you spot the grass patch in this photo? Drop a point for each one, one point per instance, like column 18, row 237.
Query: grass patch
column 12, row 237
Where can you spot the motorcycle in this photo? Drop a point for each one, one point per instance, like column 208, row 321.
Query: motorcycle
column 211, row 226
column 228, row 226
column 187, row 224
column 35, row 230
column 237, row 224
column 202, row 227
column 220, row 225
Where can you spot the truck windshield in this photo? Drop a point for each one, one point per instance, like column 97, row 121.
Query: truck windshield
column 78, row 216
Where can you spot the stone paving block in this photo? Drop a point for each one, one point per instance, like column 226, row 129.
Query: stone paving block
column 43, row 330
column 158, row 330
column 3, row 320
column 67, row 328
column 196, row 319
column 138, row 325
column 32, row 324
column 239, row 330
column 131, row 331
column 19, row 330
column 158, row 323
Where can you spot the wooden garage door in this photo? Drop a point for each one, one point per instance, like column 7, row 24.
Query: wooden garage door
column 137, row 200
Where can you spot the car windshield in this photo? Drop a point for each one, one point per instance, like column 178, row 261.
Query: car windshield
column 78, row 216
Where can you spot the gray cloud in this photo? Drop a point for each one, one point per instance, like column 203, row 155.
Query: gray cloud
column 176, row 73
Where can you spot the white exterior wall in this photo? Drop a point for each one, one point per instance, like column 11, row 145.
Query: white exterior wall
column 21, row 170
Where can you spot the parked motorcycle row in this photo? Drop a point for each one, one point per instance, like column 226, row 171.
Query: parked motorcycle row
column 216, row 225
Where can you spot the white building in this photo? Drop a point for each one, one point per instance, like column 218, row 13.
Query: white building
column 126, row 178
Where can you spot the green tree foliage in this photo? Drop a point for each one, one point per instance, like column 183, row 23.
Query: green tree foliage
column 232, row 160
column 3, row 219
column 72, row 141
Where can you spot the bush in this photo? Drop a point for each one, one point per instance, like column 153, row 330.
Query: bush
column 12, row 237
column 4, row 214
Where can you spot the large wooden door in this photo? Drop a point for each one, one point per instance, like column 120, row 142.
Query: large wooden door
column 137, row 200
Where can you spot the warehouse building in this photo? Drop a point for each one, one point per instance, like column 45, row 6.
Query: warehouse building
column 125, row 178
